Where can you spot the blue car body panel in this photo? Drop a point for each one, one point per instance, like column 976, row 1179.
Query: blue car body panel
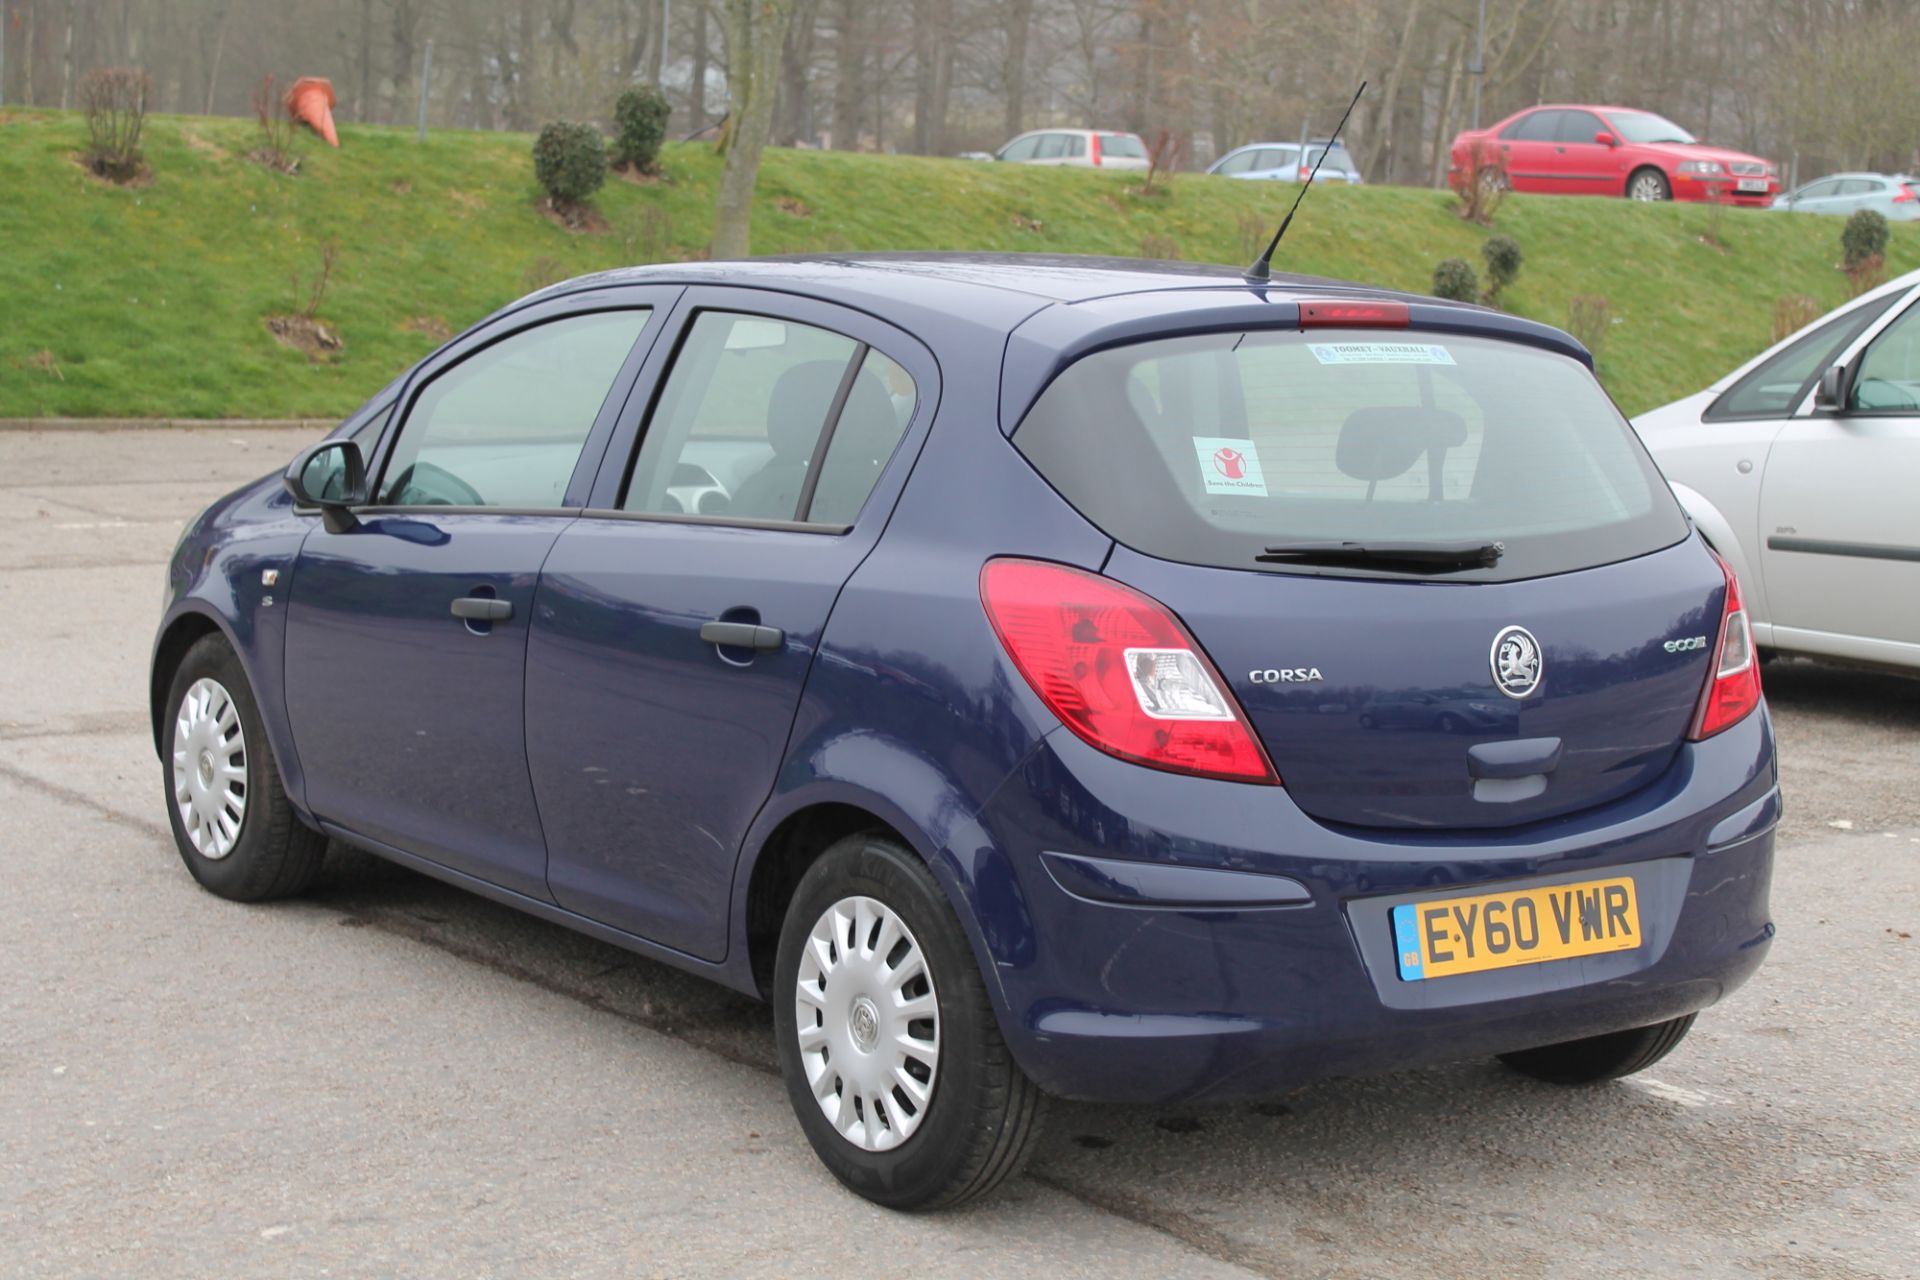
column 1144, row 935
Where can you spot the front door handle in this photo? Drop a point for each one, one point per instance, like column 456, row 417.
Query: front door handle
column 482, row 609
column 742, row 635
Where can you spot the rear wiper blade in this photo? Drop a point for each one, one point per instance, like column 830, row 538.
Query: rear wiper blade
column 1431, row 556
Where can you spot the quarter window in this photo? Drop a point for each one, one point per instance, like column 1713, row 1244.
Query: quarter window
column 505, row 427
column 753, row 408
column 1889, row 377
column 1783, row 380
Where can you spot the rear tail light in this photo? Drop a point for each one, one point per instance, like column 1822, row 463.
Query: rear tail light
column 1353, row 315
column 1903, row 194
column 1733, row 690
column 1120, row 671
column 1096, row 150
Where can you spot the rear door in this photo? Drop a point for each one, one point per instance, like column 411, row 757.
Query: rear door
column 406, row 633
column 1528, row 146
column 670, row 644
column 1580, row 653
column 1839, row 513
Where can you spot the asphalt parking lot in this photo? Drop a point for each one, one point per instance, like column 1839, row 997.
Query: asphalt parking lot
column 393, row 1077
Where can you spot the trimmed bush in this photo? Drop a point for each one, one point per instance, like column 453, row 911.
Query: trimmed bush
column 639, row 127
column 114, row 101
column 1456, row 279
column 1503, row 258
column 570, row 162
column 1864, row 238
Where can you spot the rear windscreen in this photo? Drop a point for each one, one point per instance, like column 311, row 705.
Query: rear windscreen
column 1211, row 449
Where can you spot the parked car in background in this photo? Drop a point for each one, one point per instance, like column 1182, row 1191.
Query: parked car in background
column 1895, row 196
column 1802, row 468
column 1611, row 151
column 1282, row 162
column 1080, row 148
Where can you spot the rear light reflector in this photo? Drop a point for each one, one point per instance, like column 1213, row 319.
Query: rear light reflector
column 1353, row 315
column 1095, row 142
column 1733, row 690
column 1120, row 670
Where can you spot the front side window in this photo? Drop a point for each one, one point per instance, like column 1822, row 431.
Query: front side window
column 1889, row 377
column 505, row 427
column 1580, row 126
column 1783, row 380
column 1208, row 450
column 1021, row 148
column 748, row 417
column 1238, row 162
column 1642, row 127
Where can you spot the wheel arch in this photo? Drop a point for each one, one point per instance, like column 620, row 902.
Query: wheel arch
column 169, row 651
column 1717, row 532
column 1646, row 166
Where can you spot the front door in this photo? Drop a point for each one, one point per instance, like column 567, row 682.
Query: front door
column 407, row 633
column 1840, row 506
column 677, row 619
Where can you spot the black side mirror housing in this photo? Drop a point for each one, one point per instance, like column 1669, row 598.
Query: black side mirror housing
column 1831, row 395
column 333, row 477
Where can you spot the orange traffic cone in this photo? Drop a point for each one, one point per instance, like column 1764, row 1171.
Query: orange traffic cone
column 310, row 100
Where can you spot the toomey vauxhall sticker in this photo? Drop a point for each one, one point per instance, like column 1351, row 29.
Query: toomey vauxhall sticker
column 1228, row 465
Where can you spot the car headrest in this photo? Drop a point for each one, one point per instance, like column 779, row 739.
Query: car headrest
column 1381, row 442
column 801, row 397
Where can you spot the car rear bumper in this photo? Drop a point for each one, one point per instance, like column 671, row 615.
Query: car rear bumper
column 1165, row 944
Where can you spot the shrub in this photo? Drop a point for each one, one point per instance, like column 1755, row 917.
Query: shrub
column 273, row 128
column 1792, row 313
column 570, row 162
column 1588, row 319
column 1503, row 258
column 1863, row 238
column 115, row 102
column 1160, row 248
column 1455, row 278
column 1481, row 184
column 639, row 127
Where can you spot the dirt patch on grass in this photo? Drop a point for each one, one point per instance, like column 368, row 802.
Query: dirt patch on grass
column 794, row 208
column 433, row 326
column 278, row 161
column 576, row 219
column 314, row 339
column 401, row 188
column 466, row 199
column 205, row 146
column 1022, row 222
column 45, row 362
column 142, row 176
column 643, row 177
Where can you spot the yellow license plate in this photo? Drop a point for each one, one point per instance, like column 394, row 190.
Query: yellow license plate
column 1521, row 926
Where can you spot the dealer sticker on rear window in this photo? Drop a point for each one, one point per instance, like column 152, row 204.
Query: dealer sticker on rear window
column 1230, row 466
column 1379, row 353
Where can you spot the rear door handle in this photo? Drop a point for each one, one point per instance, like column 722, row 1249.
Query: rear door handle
column 742, row 635
column 482, row 609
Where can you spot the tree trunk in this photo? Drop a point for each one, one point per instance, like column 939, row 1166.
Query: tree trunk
column 698, row 109
column 796, row 61
column 1014, row 73
column 849, row 74
column 933, row 73
column 756, row 35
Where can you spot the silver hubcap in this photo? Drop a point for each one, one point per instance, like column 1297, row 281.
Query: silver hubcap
column 1646, row 187
column 210, row 768
column 868, row 1023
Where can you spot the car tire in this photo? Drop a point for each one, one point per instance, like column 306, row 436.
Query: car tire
column 215, row 764
column 1648, row 184
column 1599, row 1058
column 979, row 1115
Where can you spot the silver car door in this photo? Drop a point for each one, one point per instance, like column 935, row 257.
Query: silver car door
column 1839, row 515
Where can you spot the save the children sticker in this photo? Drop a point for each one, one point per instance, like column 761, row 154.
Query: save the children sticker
column 1379, row 353
column 1228, row 465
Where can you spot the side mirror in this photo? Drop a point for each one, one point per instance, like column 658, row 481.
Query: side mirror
column 333, row 477
column 1606, row 139
column 1831, row 394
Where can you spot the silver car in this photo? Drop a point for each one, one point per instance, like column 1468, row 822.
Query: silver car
column 1897, row 196
column 1802, row 468
column 1077, row 148
column 1281, row 162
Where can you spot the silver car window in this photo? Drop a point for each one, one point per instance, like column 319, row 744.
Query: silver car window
column 1889, row 377
column 1773, row 388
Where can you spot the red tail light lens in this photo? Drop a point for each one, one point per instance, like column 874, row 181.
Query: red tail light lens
column 1904, row 194
column 1734, row 688
column 1095, row 142
column 1120, row 671
column 1353, row 315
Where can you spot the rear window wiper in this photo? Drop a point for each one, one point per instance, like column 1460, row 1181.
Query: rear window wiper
column 1432, row 557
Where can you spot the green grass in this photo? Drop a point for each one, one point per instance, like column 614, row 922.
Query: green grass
column 152, row 300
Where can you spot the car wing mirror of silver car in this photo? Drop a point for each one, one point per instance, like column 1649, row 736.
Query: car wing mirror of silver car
column 1831, row 395
column 333, row 477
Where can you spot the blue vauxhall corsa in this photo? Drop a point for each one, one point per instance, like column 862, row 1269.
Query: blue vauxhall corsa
column 1035, row 676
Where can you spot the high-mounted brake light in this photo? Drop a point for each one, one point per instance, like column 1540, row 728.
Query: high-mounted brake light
column 1733, row 690
column 1120, row 671
column 1353, row 315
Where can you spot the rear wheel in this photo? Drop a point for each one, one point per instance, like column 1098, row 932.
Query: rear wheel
column 893, row 1061
column 1648, row 184
column 1597, row 1058
column 235, row 828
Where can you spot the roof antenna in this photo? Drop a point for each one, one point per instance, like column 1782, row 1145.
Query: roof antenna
column 1262, row 268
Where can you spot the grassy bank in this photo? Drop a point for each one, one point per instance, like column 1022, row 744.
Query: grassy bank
column 153, row 299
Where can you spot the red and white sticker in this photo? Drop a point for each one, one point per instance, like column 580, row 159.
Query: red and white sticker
column 1229, row 465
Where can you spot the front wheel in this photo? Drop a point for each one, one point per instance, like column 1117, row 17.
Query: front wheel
column 1598, row 1058
column 1648, row 184
column 893, row 1061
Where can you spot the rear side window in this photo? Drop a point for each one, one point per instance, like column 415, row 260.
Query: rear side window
column 1053, row 146
column 1541, row 126
column 1782, row 381
column 1210, row 449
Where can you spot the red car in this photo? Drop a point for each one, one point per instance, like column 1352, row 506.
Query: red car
column 1611, row 151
